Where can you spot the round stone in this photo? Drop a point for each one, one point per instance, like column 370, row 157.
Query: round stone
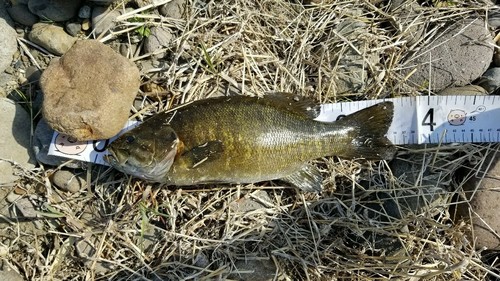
column 69, row 181
column 54, row 10
column 88, row 92
column 458, row 56
column 51, row 37
column 21, row 14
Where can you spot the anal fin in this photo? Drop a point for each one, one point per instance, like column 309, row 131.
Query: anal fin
column 307, row 179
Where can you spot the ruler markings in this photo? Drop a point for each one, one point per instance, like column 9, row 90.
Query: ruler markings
column 456, row 118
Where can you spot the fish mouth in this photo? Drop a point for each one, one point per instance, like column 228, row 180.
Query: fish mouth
column 111, row 158
column 121, row 162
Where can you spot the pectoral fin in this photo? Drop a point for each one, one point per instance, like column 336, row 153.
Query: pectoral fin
column 307, row 179
column 204, row 153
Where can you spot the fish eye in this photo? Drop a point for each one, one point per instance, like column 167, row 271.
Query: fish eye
column 173, row 136
column 130, row 139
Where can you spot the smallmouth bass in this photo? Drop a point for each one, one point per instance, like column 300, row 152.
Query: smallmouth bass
column 243, row 139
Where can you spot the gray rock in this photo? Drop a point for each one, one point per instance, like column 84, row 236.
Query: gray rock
column 8, row 43
column 255, row 270
column 490, row 80
column 103, row 20
column 70, row 181
column 4, row 250
column 84, row 12
column 128, row 50
column 54, row 10
column 15, row 141
column 26, row 207
column 482, row 209
column 349, row 67
column 73, row 28
column 7, row 83
column 458, row 56
column 174, row 9
column 12, row 197
column 15, row 2
column 425, row 191
column 51, row 37
column 496, row 58
column 248, row 204
column 103, row 2
column 88, row 92
column 86, row 249
column 41, row 141
column 10, row 274
column 32, row 73
column 469, row 90
column 406, row 20
column 494, row 18
column 159, row 38
column 4, row 15
column 21, row 14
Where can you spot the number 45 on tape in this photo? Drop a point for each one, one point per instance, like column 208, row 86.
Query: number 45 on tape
column 417, row 120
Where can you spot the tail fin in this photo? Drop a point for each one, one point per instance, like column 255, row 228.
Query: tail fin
column 368, row 137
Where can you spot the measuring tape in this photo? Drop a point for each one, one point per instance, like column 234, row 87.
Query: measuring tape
column 432, row 119
column 417, row 120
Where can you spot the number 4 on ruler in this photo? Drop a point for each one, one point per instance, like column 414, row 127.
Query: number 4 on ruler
column 429, row 119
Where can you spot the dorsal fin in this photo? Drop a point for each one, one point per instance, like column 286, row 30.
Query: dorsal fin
column 295, row 103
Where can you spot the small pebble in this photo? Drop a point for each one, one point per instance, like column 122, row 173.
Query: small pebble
column 86, row 24
column 174, row 9
column 160, row 38
column 32, row 73
column 21, row 79
column 73, row 28
column 84, row 12
column 128, row 50
column 103, row 19
column 13, row 197
column 69, row 181
column 490, row 80
column 4, row 250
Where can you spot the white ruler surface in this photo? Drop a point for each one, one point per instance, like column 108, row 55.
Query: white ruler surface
column 434, row 119
column 417, row 120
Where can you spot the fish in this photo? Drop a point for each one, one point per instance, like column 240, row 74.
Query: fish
column 243, row 139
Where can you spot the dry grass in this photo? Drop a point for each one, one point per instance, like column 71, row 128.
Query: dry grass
column 359, row 228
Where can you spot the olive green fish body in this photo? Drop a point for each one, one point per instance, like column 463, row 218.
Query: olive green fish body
column 244, row 140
